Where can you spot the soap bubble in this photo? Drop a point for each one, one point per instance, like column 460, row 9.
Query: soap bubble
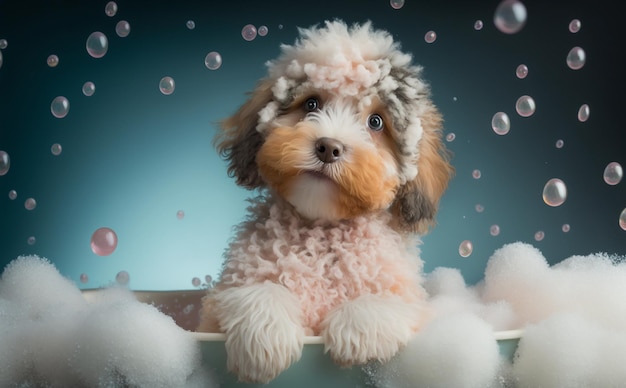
column 52, row 60
column 396, row 4
column 622, row 219
column 465, row 248
column 97, row 44
column 554, row 192
column 103, row 241
column 500, row 123
column 583, row 113
column 213, row 60
column 89, row 88
column 196, row 282
column 565, row 228
column 522, row 71
column 476, row 174
column 494, row 230
column 248, row 32
column 576, row 58
column 525, row 106
column 12, row 194
column 510, row 16
column 180, row 214
column 450, row 137
column 84, row 278
column 208, row 279
column 478, row 25
column 60, row 107
column 56, row 149
column 5, row 162
column 122, row 28
column 613, row 173
column 3, row 44
column 559, row 143
column 430, row 36
column 190, row 24
column 167, row 85
column 122, row 278
column 30, row 204
column 479, row 208
column 31, row 240
column 539, row 235
column 110, row 9
column 263, row 30
column 574, row 26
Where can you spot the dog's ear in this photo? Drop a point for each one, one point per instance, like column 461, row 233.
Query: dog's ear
column 239, row 141
column 417, row 201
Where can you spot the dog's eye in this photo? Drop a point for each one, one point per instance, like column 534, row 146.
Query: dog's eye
column 311, row 104
column 375, row 122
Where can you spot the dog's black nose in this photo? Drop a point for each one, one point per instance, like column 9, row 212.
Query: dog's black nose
column 328, row 150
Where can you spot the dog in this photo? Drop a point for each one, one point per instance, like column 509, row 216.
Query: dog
column 343, row 143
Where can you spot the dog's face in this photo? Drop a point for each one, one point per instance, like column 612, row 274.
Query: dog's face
column 342, row 126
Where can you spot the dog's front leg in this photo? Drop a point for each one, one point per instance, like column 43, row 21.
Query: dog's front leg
column 371, row 327
column 263, row 327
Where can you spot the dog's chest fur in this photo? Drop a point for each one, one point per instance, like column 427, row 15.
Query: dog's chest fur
column 323, row 264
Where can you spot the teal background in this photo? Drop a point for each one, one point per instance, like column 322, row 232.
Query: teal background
column 132, row 157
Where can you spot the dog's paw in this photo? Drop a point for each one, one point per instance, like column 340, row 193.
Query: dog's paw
column 264, row 335
column 369, row 328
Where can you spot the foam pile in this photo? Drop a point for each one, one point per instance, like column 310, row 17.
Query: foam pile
column 51, row 336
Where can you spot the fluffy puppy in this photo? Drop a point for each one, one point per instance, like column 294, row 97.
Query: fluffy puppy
column 344, row 145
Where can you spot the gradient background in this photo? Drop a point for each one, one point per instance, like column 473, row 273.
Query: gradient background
column 132, row 157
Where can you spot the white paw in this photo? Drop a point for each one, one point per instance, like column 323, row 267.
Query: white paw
column 369, row 328
column 264, row 335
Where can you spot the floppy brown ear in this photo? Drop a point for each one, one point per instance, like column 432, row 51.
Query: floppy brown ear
column 239, row 141
column 417, row 201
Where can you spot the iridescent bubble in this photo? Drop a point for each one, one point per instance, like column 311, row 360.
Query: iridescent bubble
column 84, row 278
column 479, row 208
column 180, row 214
column 110, row 9
column 554, row 192
column 280, row 26
column 122, row 28
column 56, row 149
column 494, row 230
column 500, row 123
column 454, row 99
column 3, row 44
column 574, row 26
column 213, row 60
column 263, row 30
column 89, row 88
column 396, row 4
column 30, row 204
column 31, row 240
column 122, row 278
column 565, row 228
column 208, row 279
column 559, row 143
column 430, row 36
column 522, row 71
column 167, row 85
column 613, row 173
column 196, row 282
column 12, row 194
column 60, row 107
column 622, row 219
column 476, row 174
column 5, row 162
column 103, row 241
column 478, row 25
column 576, row 58
column 583, row 113
column 97, row 44
column 450, row 137
column 525, row 106
column 190, row 24
column 510, row 16
column 248, row 32
column 465, row 248
column 52, row 60
column 539, row 235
